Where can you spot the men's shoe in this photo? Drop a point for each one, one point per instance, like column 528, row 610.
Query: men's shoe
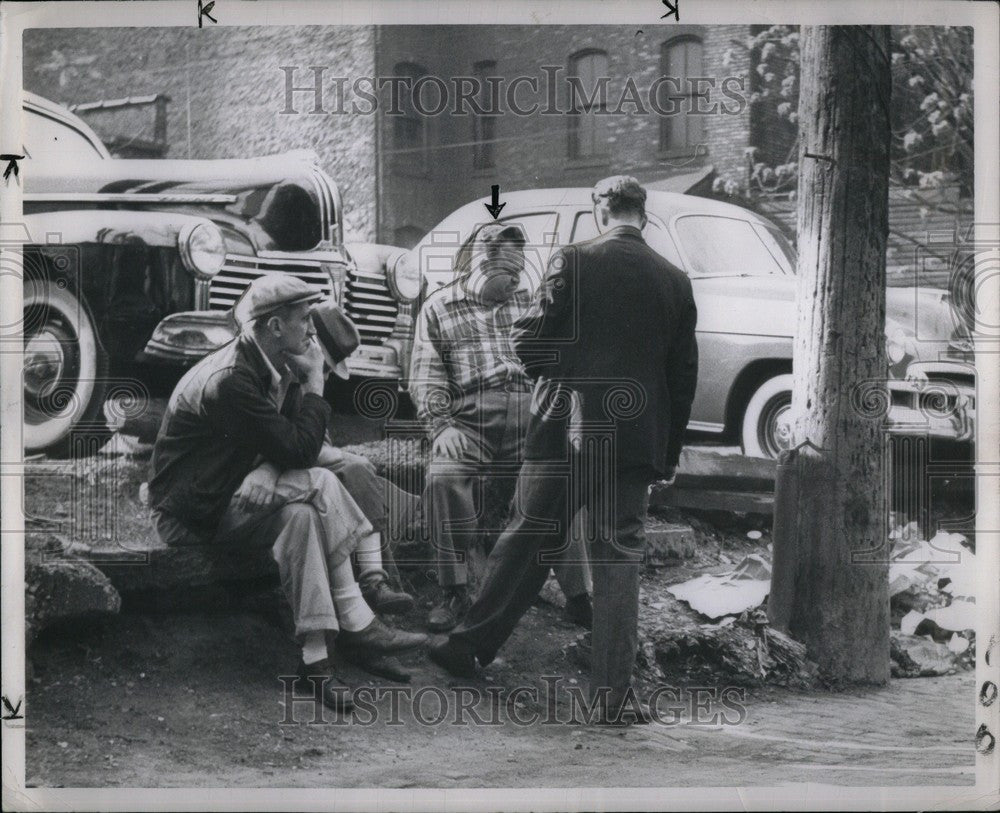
column 452, row 659
column 377, row 637
column 375, row 663
column 446, row 615
column 320, row 681
column 383, row 599
column 580, row 611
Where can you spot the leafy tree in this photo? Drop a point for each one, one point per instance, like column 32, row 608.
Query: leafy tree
column 931, row 110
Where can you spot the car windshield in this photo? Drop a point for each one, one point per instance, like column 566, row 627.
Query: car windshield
column 726, row 246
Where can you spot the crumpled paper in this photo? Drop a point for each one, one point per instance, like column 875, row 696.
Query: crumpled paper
column 731, row 593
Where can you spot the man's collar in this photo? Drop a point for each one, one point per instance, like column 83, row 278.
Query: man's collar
column 269, row 366
column 623, row 231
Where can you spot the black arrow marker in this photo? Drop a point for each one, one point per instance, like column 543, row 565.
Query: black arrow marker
column 11, row 165
column 496, row 206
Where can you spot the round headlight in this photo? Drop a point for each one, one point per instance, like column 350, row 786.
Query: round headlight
column 403, row 276
column 202, row 248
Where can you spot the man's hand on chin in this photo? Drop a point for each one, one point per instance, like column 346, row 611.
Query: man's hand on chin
column 257, row 489
column 309, row 366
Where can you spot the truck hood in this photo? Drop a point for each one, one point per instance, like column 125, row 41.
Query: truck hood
column 279, row 202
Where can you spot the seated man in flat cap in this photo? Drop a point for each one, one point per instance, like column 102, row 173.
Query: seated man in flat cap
column 236, row 462
column 464, row 358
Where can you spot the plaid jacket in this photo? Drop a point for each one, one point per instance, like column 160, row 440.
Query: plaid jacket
column 462, row 346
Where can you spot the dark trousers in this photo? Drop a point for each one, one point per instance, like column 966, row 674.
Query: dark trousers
column 546, row 497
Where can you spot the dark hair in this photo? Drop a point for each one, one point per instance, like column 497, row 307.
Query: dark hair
column 623, row 193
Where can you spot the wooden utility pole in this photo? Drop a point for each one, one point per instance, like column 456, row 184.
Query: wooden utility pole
column 830, row 579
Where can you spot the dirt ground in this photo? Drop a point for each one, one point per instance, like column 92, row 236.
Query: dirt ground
column 193, row 698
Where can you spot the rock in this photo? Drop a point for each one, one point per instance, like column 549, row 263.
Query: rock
column 60, row 588
column 552, row 594
column 669, row 542
column 913, row 656
column 158, row 567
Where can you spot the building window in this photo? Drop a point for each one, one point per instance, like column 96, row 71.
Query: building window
column 409, row 130
column 588, row 84
column 680, row 59
column 483, row 124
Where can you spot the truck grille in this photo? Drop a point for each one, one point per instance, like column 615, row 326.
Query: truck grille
column 238, row 272
column 370, row 305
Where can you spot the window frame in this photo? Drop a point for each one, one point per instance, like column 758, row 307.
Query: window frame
column 689, row 95
column 418, row 152
column 484, row 124
column 574, row 119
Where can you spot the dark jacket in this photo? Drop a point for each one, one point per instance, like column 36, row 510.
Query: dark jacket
column 219, row 419
column 615, row 321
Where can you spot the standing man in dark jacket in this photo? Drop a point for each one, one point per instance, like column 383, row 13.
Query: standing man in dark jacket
column 611, row 341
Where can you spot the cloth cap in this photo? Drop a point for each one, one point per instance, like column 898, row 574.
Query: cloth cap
column 495, row 234
column 337, row 335
column 271, row 291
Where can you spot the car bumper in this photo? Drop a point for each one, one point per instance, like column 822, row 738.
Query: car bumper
column 183, row 338
column 939, row 408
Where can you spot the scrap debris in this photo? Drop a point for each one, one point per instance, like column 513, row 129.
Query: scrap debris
column 932, row 600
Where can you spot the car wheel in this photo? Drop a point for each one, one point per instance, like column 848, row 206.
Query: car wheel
column 767, row 420
column 65, row 369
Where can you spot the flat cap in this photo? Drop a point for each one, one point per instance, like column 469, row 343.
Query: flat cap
column 271, row 291
column 620, row 189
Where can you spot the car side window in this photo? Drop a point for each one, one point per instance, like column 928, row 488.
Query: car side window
column 725, row 246
column 655, row 234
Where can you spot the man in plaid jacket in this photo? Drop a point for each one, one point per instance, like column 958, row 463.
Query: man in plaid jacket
column 471, row 390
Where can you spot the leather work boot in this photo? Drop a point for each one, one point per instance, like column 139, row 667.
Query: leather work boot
column 327, row 687
column 452, row 659
column 377, row 637
column 580, row 611
column 383, row 599
column 446, row 615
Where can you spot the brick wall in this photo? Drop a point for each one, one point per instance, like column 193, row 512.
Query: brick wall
column 226, row 90
column 532, row 151
column 227, row 93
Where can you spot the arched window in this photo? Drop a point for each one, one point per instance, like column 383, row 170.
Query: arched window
column 680, row 59
column 588, row 88
column 409, row 130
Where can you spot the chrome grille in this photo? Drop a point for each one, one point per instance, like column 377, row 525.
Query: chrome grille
column 238, row 272
column 370, row 305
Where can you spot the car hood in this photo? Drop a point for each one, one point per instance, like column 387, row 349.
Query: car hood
column 765, row 306
column 280, row 202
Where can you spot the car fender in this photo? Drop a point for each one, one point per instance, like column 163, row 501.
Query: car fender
column 108, row 227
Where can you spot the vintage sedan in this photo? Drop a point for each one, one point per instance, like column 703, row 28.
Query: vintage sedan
column 742, row 270
column 130, row 262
